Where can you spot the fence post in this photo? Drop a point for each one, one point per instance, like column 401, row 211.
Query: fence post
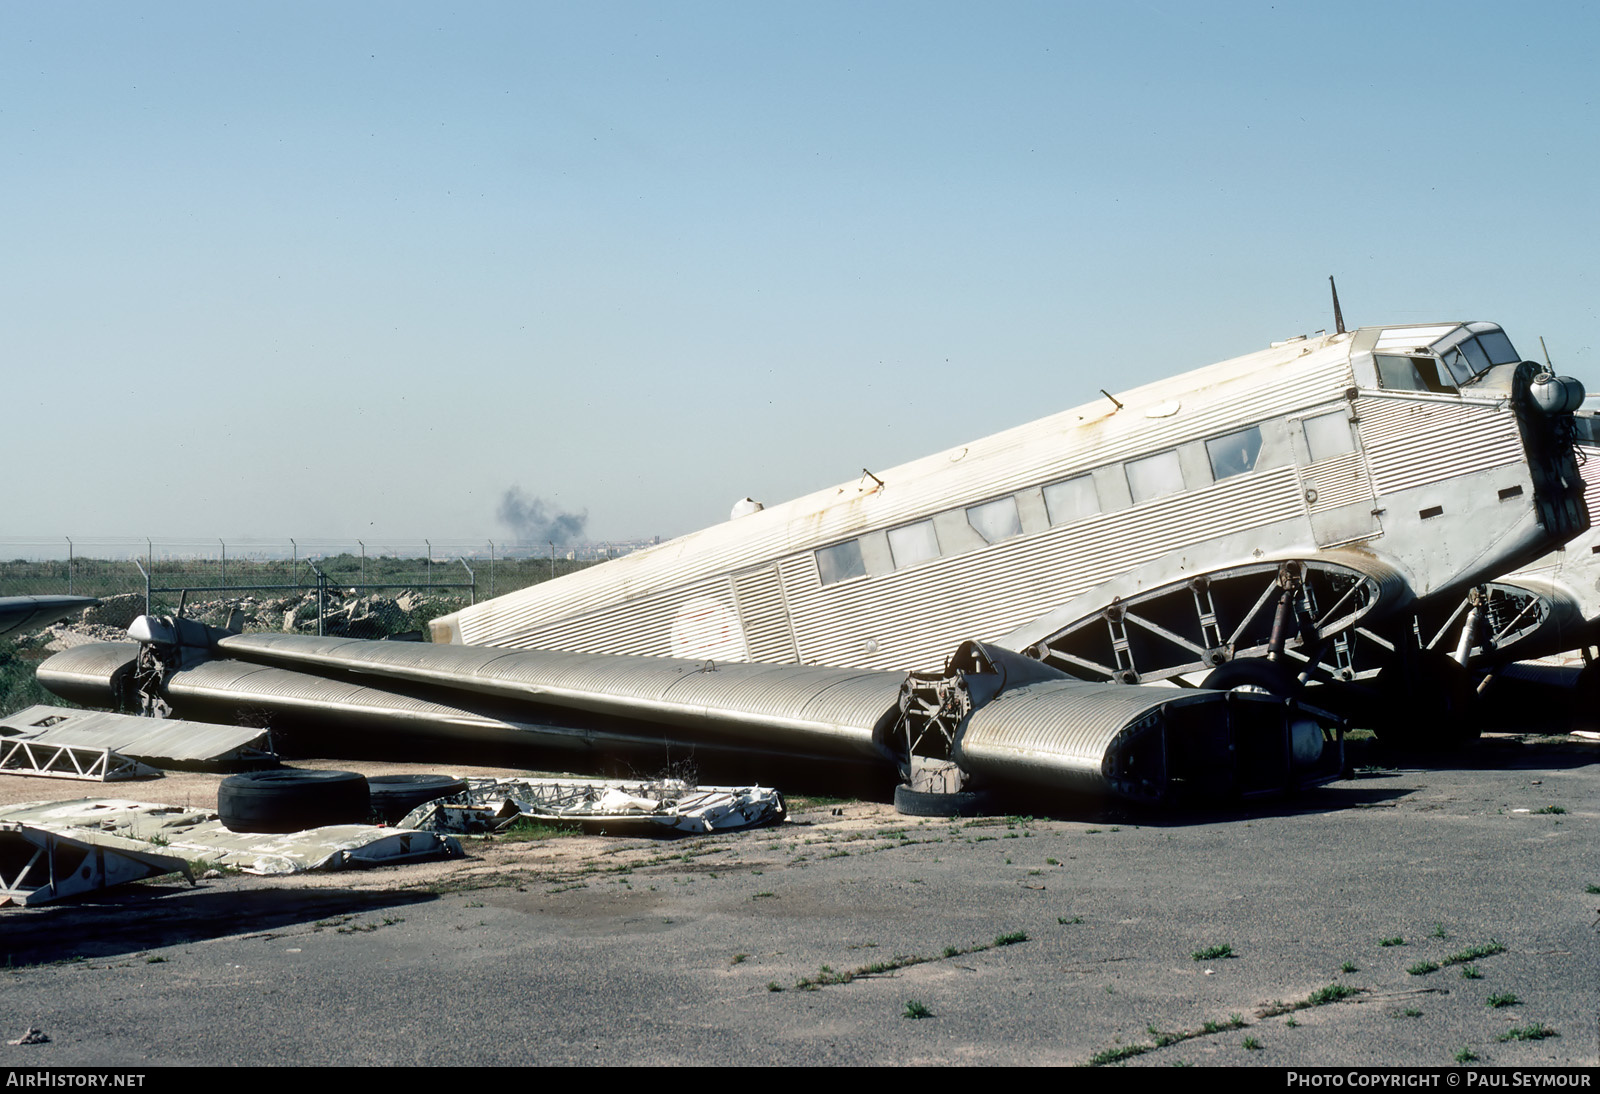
column 430, row 562
column 146, row 574
column 363, row 564
column 294, row 565
column 224, row 569
column 472, row 580
column 322, row 599
column 69, row 565
column 491, row 569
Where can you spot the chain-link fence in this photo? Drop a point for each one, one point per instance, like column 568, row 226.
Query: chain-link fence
column 358, row 590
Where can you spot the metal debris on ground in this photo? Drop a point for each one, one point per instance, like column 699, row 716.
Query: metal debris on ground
column 196, row 834
column 33, row 736
column 39, row 864
column 491, row 804
column 31, row 1036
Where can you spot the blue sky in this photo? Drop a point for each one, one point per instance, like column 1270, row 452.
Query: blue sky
column 335, row 270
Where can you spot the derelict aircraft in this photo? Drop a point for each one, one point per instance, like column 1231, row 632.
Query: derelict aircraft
column 997, row 613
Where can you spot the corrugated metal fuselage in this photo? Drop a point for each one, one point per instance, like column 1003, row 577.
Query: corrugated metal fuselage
column 1292, row 452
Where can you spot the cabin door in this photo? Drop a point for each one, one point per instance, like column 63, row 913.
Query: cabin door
column 1335, row 483
column 765, row 615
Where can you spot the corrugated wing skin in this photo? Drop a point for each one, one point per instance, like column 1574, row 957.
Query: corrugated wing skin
column 824, row 711
column 87, row 674
column 1059, row 732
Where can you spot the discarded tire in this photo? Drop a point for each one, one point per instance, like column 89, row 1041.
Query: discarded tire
column 393, row 796
column 923, row 803
column 291, row 800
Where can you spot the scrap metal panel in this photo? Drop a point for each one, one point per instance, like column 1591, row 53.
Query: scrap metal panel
column 164, row 742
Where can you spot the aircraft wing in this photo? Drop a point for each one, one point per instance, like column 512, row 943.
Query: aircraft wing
column 18, row 613
column 992, row 716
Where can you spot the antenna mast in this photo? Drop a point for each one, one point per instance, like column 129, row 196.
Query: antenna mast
column 1338, row 316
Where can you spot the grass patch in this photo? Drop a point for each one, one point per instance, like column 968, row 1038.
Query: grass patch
column 1252, row 1044
column 1423, row 968
column 1213, row 953
column 525, row 829
column 1465, row 1056
column 1411, row 1012
column 1349, row 966
column 917, row 1009
column 827, row 975
column 1472, row 953
column 1333, row 993
column 1439, row 931
column 1118, row 1054
column 1471, row 972
column 1552, row 810
column 1502, row 999
column 1068, row 920
column 1535, row 1031
column 156, row 959
column 1395, row 941
column 1591, row 889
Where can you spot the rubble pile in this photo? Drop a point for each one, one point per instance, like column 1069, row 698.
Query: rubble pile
column 402, row 615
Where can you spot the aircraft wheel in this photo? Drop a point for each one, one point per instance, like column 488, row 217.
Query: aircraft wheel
column 1253, row 674
column 393, row 796
column 1436, row 707
column 291, row 800
column 923, row 803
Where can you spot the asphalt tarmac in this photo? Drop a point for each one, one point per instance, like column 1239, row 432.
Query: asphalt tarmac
column 1418, row 913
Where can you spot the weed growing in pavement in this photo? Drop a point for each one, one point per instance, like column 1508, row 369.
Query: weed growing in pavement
column 1536, row 1031
column 1213, row 953
column 1472, row 953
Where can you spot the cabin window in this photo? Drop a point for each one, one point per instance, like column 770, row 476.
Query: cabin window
column 1413, row 374
column 1329, row 435
column 1586, row 429
column 995, row 520
column 840, row 562
column 1155, row 476
column 1072, row 499
column 913, row 543
column 1235, row 453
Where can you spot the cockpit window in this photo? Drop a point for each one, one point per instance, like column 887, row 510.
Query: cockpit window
column 1413, row 374
column 1472, row 357
column 1498, row 347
